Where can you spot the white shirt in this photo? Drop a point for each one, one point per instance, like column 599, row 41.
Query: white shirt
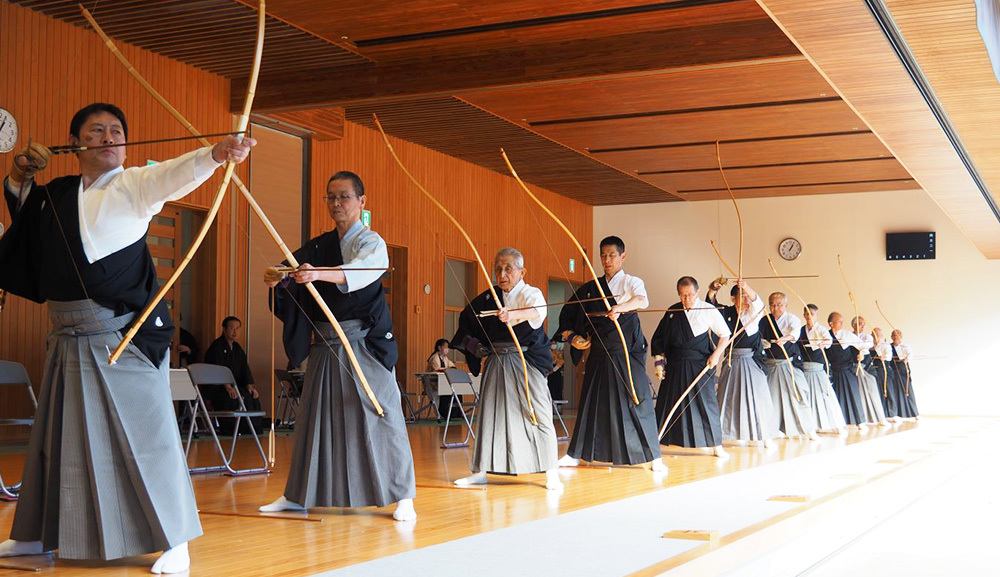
column 116, row 210
column 362, row 247
column 819, row 337
column 525, row 295
column 903, row 351
column 867, row 342
column 847, row 339
column 789, row 324
column 751, row 317
column 625, row 286
column 703, row 319
column 884, row 350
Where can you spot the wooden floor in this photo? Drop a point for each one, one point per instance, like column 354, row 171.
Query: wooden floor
column 247, row 546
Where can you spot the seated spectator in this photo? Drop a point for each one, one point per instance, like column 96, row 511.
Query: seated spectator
column 439, row 361
column 227, row 352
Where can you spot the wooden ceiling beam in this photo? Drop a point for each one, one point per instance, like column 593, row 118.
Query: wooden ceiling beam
column 724, row 44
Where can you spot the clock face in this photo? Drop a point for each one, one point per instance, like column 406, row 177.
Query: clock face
column 790, row 249
column 8, row 131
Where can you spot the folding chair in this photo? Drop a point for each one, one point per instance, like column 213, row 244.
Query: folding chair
column 460, row 383
column 205, row 375
column 557, row 411
column 288, row 400
column 407, row 397
column 12, row 373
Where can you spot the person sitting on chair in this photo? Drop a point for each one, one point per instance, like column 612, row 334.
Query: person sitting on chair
column 439, row 361
column 227, row 352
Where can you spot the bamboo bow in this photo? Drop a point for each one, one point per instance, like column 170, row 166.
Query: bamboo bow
column 244, row 121
column 850, row 294
column 246, row 192
column 739, row 221
column 590, row 268
column 906, row 363
column 739, row 274
column 472, row 245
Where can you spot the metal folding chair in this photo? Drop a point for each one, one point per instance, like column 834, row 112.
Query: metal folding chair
column 409, row 398
column 205, row 375
column 557, row 411
column 14, row 374
column 460, row 383
column 288, row 400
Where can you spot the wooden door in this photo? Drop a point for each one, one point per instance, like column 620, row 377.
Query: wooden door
column 394, row 283
column 164, row 240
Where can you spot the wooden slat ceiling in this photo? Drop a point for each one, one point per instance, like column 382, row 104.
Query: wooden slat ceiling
column 943, row 36
column 611, row 101
column 846, row 43
column 216, row 35
column 459, row 129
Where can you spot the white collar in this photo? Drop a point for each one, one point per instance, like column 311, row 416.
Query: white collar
column 516, row 289
column 103, row 180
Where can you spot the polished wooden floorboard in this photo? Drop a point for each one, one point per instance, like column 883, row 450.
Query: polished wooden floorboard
column 251, row 546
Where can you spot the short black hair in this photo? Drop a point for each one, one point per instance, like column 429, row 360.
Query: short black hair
column 227, row 320
column 829, row 317
column 356, row 184
column 89, row 110
column 614, row 241
column 687, row 281
column 735, row 290
column 813, row 308
column 440, row 343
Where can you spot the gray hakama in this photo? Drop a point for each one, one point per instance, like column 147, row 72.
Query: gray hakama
column 871, row 397
column 506, row 439
column 744, row 400
column 104, row 476
column 790, row 401
column 344, row 454
column 823, row 403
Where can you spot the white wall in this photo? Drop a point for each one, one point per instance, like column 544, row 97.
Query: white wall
column 945, row 307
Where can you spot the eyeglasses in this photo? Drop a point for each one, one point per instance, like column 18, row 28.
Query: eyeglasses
column 331, row 199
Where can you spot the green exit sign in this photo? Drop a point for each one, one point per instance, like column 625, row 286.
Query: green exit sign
column 366, row 217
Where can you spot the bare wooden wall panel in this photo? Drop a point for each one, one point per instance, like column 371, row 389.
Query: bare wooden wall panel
column 277, row 176
column 491, row 207
column 50, row 70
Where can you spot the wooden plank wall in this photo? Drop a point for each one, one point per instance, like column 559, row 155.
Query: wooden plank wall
column 491, row 207
column 50, row 69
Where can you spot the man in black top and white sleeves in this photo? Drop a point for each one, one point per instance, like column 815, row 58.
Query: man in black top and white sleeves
column 104, row 476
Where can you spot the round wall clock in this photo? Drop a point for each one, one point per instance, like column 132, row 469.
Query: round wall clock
column 8, row 131
column 790, row 249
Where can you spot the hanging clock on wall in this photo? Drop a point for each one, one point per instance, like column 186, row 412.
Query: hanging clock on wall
column 8, row 131
column 790, row 249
